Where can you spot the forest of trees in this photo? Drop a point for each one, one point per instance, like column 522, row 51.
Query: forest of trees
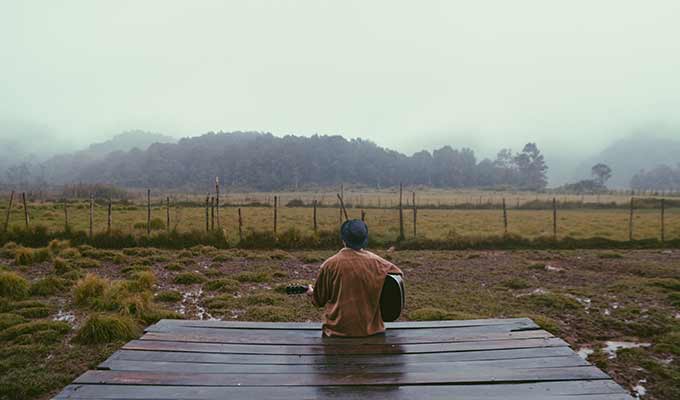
column 262, row 161
column 662, row 178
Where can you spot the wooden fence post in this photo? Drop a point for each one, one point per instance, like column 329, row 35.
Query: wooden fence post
column 415, row 215
column 167, row 213
column 342, row 207
column 108, row 225
column 505, row 218
column 314, row 216
column 240, row 225
column 9, row 211
column 401, row 212
column 363, row 215
column 276, row 206
column 341, row 196
column 663, row 222
column 630, row 220
column 26, row 217
column 207, row 213
column 554, row 204
column 91, row 230
column 217, row 200
column 66, row 228
column 148, row 211
column 212, row 213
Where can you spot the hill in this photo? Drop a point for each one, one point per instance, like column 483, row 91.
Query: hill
column 628, row 156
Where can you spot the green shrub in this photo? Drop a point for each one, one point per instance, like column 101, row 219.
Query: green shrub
column 8, row 319
column 222, row 285
column 13, row 286
column 169, row 296
column 537, row 266
column 88, row 289
column 255, row 277
column 100, row 328
column 50, row 285
column 270, row 314
column 189, row 278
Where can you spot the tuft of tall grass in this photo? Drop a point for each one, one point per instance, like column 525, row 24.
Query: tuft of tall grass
column 89, row 289
column 13, row 286
column 102, row 328
column 29, row 256
column 50, row 285
column 222, row 285
column 189, row 278
column 40, row 331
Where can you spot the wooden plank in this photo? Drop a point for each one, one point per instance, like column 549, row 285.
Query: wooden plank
column 317, row 340
column 331, row 350
column 159, row 366
column 317, row 326
column 305, row 333
column 220, row 358
column 572, row 390
column 455, row 376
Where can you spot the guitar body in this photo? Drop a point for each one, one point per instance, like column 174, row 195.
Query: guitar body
column 392, row 298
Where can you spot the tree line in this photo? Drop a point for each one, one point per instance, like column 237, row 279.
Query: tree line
column 262, row 161
column 663, row 177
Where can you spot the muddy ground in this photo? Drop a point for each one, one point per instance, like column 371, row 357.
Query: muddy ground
column 620, row 309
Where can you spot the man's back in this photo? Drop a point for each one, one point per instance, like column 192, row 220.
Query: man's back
column 348, row 287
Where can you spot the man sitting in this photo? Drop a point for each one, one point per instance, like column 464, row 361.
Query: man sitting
column 349, row 284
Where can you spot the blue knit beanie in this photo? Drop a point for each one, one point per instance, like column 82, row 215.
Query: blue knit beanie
column 354, row 233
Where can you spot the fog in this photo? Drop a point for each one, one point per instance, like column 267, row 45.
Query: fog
column 572, row 75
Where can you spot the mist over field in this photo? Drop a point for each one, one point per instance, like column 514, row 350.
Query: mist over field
column 573, row 77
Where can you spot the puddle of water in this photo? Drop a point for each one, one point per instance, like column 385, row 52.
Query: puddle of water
column 584, row 352
column 64, row 316
column 554, row 269
column 613, row 346
column 639, row 389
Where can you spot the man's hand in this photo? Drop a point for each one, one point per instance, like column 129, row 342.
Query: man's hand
column 310, row 291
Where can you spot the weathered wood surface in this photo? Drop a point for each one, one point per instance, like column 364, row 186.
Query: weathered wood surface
column 480, row 359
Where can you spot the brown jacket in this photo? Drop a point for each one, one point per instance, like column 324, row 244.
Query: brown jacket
column 348, row 287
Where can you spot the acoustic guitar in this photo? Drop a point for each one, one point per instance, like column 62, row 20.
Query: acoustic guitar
column 392, row 297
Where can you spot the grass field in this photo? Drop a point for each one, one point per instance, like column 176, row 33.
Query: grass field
column 435, row 224
column 64, row 309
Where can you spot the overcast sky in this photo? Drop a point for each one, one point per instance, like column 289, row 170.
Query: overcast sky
column 570, row 75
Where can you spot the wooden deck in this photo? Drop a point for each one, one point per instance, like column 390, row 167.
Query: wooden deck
column 478, row 359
